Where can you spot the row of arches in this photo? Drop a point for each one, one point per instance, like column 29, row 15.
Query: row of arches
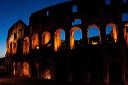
column 26, row 69
column 93, row 34
column 21, row 69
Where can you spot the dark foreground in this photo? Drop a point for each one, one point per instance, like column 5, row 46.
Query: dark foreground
column 35, row 81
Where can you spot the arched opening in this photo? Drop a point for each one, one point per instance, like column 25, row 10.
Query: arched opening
column 93, row 34
column 126, row 33
column 18, row 69
column 14, row 47
column 14, row 68
column 26, row 45
column 25, row 69
column 45, row 38
column 11, row 46
column 59, row 39
column 35, row 41
column 111, row 33
column 115, row 73
column 8, row 47
column 75, row 37
column 47, row 74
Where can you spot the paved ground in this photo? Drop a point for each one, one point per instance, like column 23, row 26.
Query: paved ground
column 27, row 81
column 35, row 81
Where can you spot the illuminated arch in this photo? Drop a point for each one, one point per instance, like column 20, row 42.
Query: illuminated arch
column 8, row 47
column 18, row 69
column 114, row 33
column 14, row 68
column 45, row 37
column 72, row 39
column 58, row 39
column 126, row 33
column 14, row 47
column 92, row 32
column 47, row 74
column 35, row 41
column 26, row 45
column 26, row 69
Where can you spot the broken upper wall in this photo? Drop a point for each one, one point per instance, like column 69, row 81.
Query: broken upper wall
column 60, row 14
column 50, row 17
column 15, row 32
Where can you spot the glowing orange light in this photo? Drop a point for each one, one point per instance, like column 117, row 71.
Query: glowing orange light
column 8, row 48
column 94, row 43
column 49, row 45
column 45, row 38
column 115, row 34
column 126, row 34
column 72, row 40
column 47, row 75
column 25, row 69
column 14, row 47
column 14, row 69
column 26, row 46
column 57, row 40
column 35, row 41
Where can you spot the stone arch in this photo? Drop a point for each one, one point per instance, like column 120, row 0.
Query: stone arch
column 18, row 69
column 72, row 39
column 92, row 36
column 126, row 33
column 114, row 33
column 14, row 68
column 45, row 38
column 57, row 39
column 8, row 47
column 26, row 45
column 47, row 74
column 14, row 47
column 26, row 69
column 35, row 41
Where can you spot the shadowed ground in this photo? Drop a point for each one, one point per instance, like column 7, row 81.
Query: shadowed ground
column 35, row 81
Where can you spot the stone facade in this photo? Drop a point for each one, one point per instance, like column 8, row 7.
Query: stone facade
column 37, row 50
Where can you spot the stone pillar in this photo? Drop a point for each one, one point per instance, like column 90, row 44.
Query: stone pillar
column 103, row 31
column 106, row 74
column 84, row 34
column 40, row 39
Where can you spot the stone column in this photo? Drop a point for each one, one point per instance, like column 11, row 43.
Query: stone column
column 106, row 74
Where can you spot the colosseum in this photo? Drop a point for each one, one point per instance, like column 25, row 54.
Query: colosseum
column 48, row 49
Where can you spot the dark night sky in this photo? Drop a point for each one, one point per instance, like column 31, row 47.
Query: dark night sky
column 13, row 10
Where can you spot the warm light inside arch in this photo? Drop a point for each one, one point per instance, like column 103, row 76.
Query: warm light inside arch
column 57, row 39
column 94, row 27
column 45, row 38
column 8, row 47
column 14, row 47
column 18, row 69
column 35, row 41
column 72, row 36
column 126, row 33
column 26, row 45
column 25, row 69
column 114, row 33
column 14, row 68
column 47, row 74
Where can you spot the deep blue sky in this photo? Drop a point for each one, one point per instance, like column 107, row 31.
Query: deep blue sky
column 13, row 10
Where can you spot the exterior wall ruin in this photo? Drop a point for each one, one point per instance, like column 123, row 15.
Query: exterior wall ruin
column 41, row 53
